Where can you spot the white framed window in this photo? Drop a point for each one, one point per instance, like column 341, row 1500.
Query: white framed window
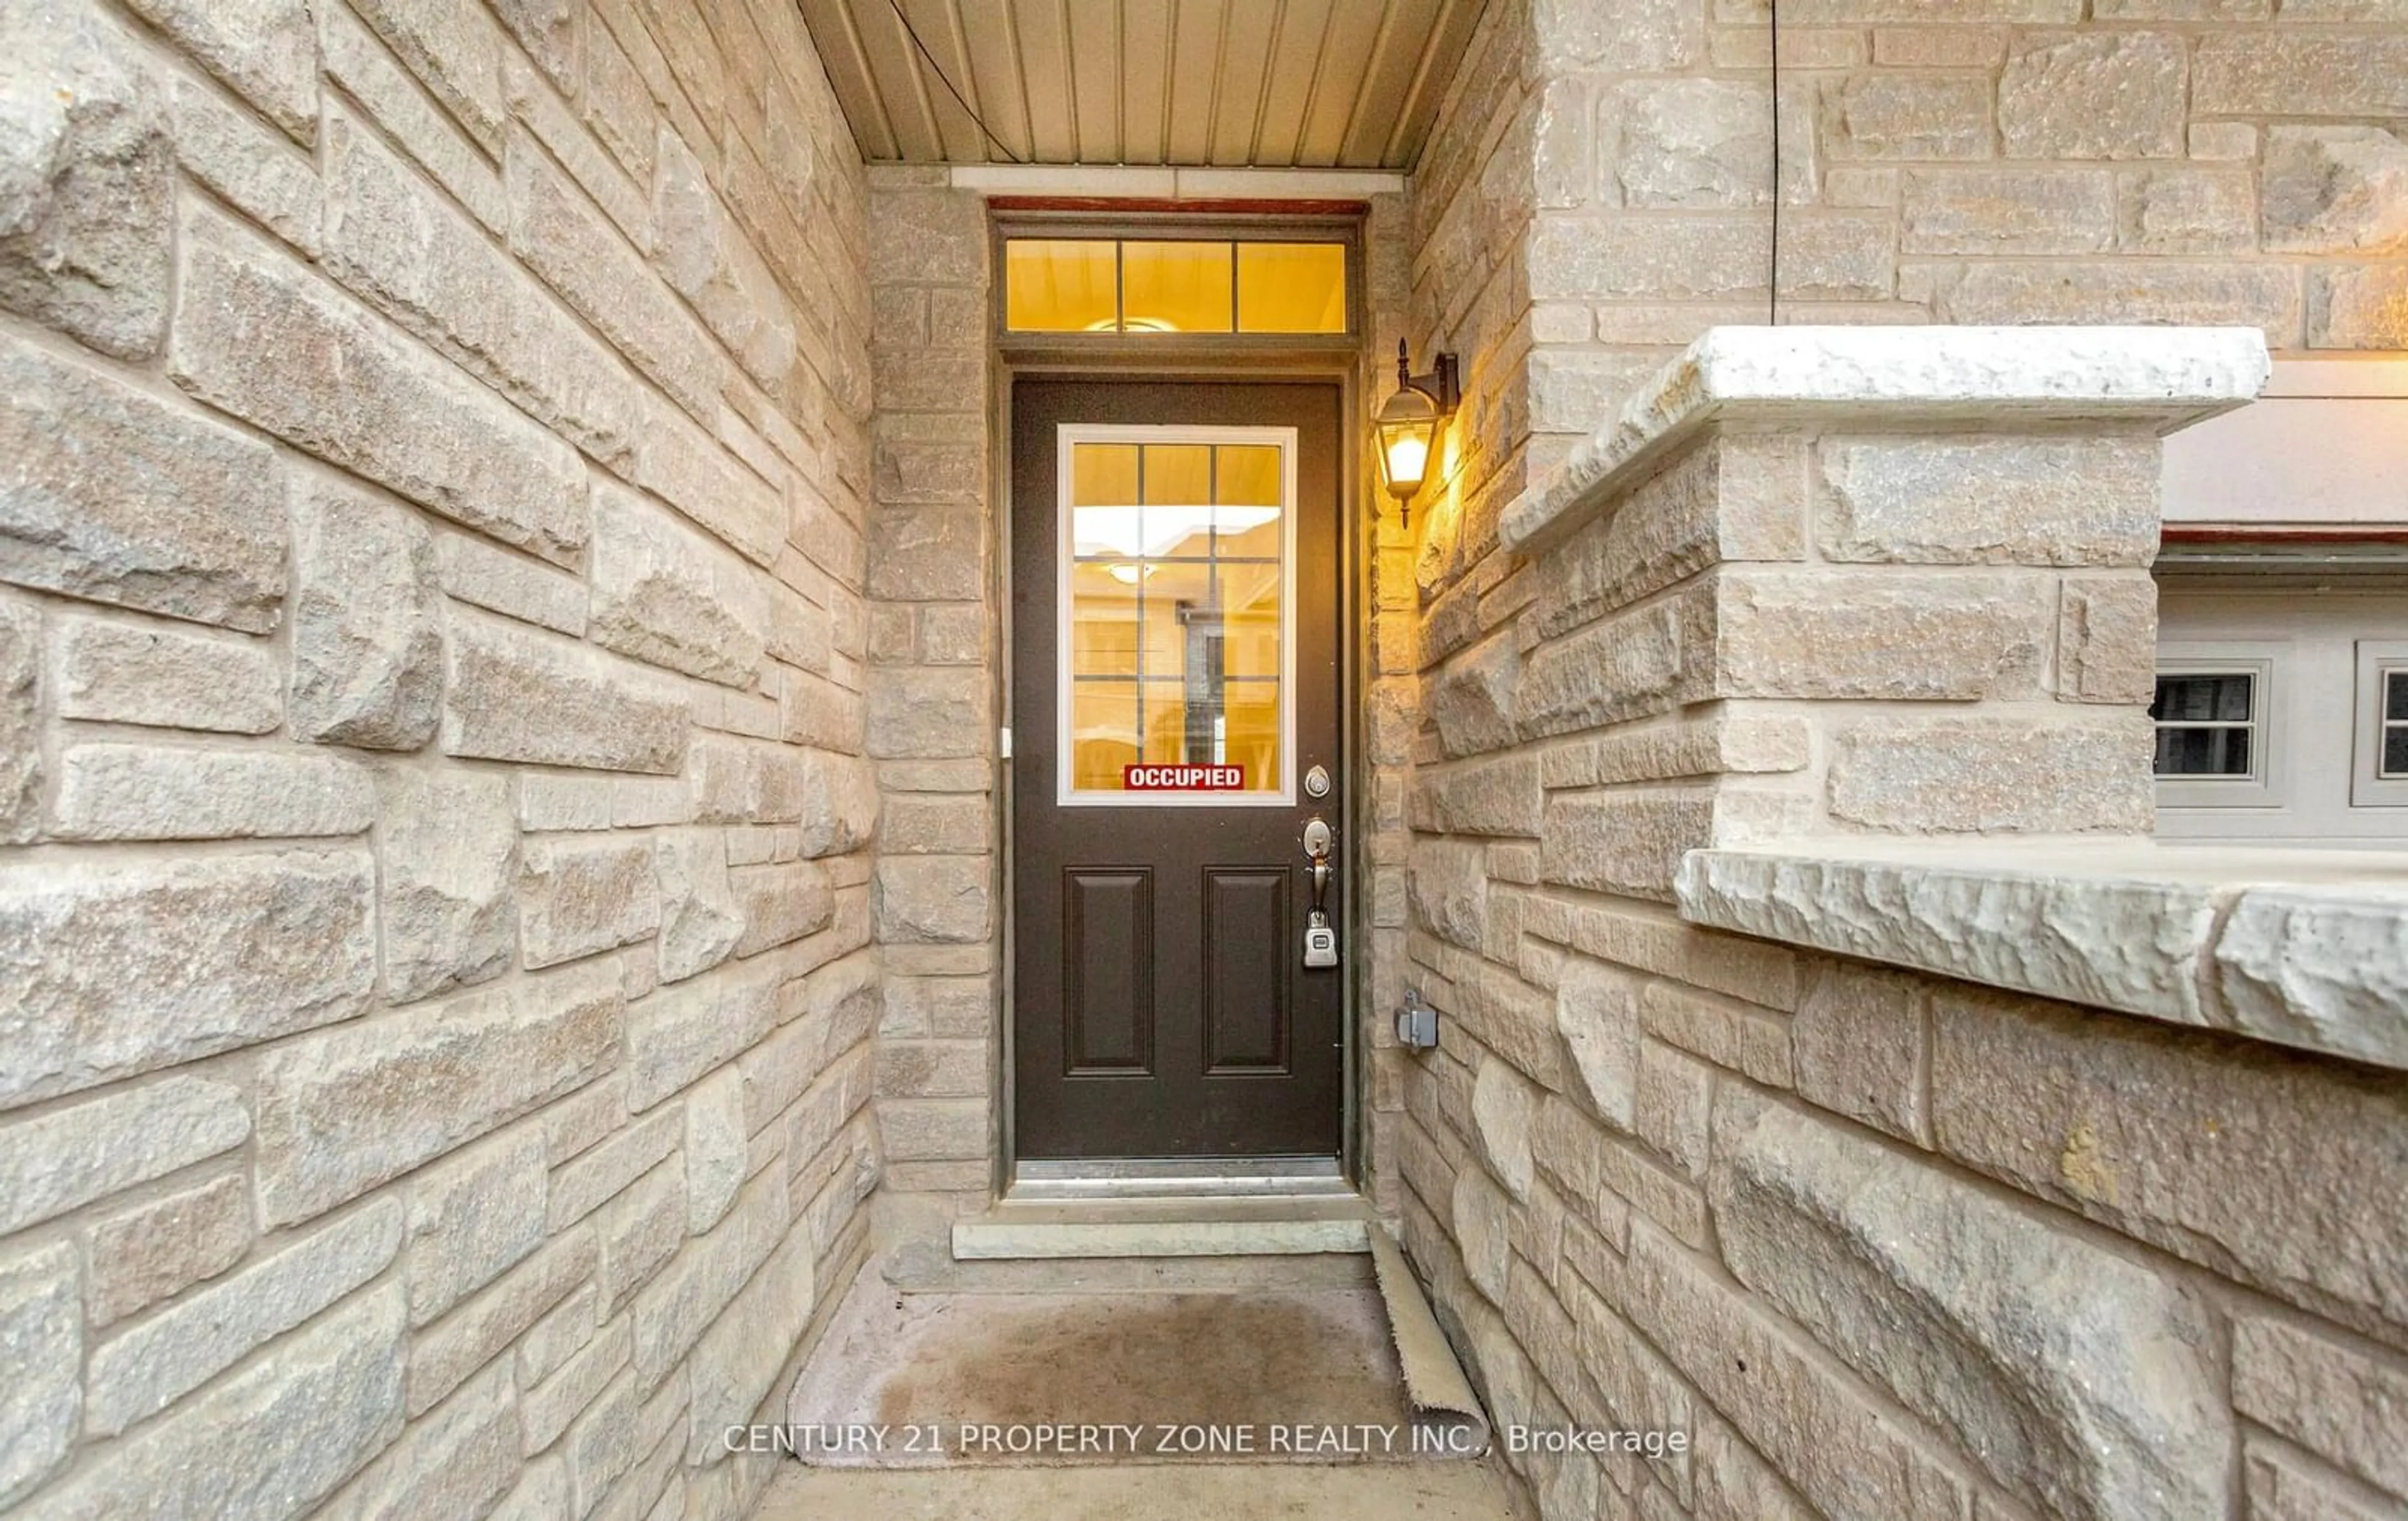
column 2325, row 711
column 2379, row 765
column 2219, row 738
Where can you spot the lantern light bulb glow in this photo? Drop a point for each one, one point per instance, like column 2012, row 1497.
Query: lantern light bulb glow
column 1408, row 424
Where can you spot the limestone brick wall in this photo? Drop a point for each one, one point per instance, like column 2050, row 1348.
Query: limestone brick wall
column 1889, row 1245
column 1879, row 1244
column 436, row 972
column 1991, row 161
column 1389, row 663
column 1472, row 218
column 935, row 619
column 935, row 625
column 1443, row 272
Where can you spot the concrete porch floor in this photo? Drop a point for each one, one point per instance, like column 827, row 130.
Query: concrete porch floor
column 1429, row 1491
column 1237, row 1341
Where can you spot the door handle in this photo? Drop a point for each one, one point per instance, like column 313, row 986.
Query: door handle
column 1318, row 838
column 1320, row 939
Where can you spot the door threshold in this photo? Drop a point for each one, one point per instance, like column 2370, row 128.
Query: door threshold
column 1168, row 1225
column 1142, row 1178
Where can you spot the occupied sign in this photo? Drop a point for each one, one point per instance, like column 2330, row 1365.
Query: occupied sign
column 1184, row 778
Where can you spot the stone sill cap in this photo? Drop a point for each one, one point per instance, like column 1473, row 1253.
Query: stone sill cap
column 2159, row 378
column 2302, row 948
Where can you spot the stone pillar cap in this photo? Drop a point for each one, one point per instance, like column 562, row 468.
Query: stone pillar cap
column 2158, row 379
column 2304, row 948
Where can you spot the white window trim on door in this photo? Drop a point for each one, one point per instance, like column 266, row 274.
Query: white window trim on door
column 2369, row 787
column 2264, row 661
column 1068, row 436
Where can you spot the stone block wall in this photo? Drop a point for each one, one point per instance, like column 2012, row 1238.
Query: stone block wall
column 436, row 909
column 1881, row 1245
column 1885, row 1244
column 1473, row 206
column 934, row 679
column 1443, row 272
column 1389, row 661
column 935, row 627
column 1889, row 1245
column 1979, row 161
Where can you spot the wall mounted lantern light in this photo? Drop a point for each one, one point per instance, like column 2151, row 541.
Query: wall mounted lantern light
column 1409, row 422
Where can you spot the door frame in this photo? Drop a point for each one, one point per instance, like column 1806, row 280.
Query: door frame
column 1101, row 358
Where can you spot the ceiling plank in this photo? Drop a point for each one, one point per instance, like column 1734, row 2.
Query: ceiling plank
column 1387, row 80
column 1449, row 40
column 896, row 68
column 1095, row 78
column 1246, row 59
column 943, row 70
column 1045, row 73
column 830, row 23
column 1146, row 80
column 995, row 61
column 1289, row 75
column 1195, row 79
column 1335, row 83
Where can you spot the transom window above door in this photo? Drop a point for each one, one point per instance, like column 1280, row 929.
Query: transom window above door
column 1176, row 608
column 1174, row 285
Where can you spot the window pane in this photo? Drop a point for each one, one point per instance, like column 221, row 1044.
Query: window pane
column 1179, row 473
column 1103, row 734
column 1104, row 629
column 1248, row 533
column 1175, row 287
column 1249, row 476
column 2222, row 696
column 2209, row 751
column 1103, row 475
column 1182, row 622
column 1250, row 732
column 2395, row 750
column 1291, row 288
column 1250, row 602
column 2395, row 695
column 1057, row 285
column 1169, row 725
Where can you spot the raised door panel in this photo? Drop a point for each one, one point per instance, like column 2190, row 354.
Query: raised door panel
column 1108, row 971
column 1246, row 962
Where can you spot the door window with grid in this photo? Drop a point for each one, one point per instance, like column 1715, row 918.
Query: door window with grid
column 1176, row 609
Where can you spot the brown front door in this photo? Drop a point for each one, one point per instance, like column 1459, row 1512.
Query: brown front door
column 1175, row 652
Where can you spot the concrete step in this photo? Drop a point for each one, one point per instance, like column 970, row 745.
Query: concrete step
column 1165, row 1227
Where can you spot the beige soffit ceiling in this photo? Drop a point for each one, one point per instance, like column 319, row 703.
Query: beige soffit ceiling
column 1349, row 84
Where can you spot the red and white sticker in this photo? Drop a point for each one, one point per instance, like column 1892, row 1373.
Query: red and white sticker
column 1184, row 778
